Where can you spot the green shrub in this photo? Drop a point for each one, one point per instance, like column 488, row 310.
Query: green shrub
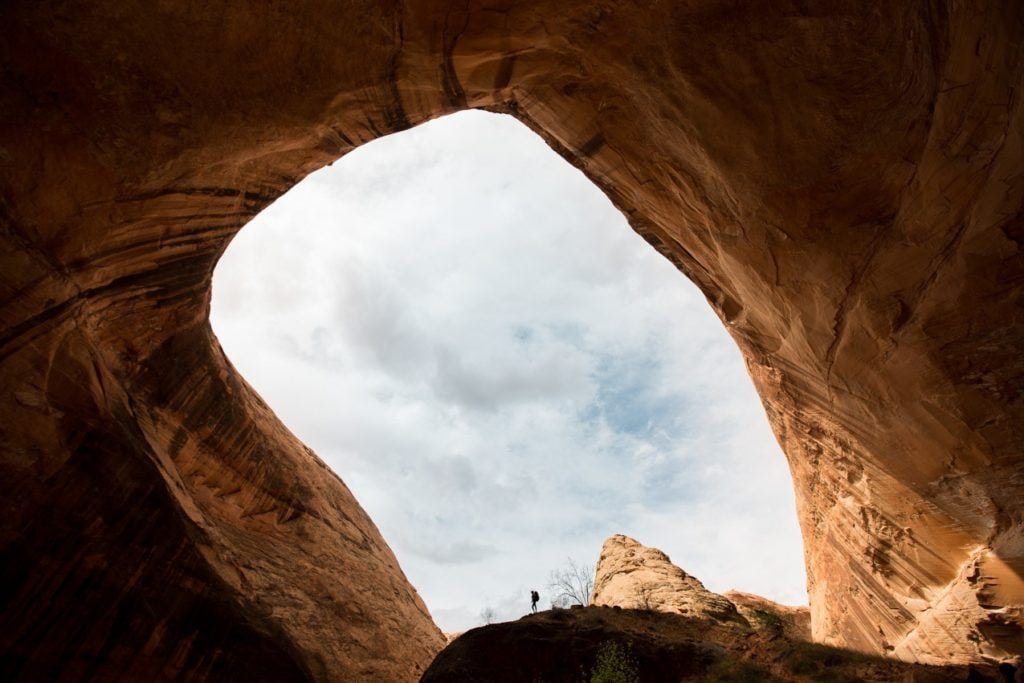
column 614, row 664
column 769, row 620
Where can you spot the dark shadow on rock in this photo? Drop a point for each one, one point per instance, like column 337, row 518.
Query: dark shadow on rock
column 563, row 645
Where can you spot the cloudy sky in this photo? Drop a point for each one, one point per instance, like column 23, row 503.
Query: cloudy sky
column 469, row 333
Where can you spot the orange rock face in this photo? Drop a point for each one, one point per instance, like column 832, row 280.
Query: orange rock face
column 634, row 576
column 631, row 575
column 842, row 180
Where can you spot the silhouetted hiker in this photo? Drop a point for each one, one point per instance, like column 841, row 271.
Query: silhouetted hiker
column 534, row 599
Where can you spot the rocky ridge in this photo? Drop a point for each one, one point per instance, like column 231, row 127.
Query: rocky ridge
column 566, row 645
column 793, row 622
column 631, row 575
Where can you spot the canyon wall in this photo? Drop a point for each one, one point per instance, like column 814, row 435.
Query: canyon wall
column 841, row 179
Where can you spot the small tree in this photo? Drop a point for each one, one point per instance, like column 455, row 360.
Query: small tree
column 572, row 584
column 487, row 615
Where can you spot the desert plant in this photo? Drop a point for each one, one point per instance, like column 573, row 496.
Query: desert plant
column 769, row 620
column 487, row 615
column 614, row 664
column 572, row 584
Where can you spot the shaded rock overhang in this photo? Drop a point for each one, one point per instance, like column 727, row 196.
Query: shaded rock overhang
column 841, row 179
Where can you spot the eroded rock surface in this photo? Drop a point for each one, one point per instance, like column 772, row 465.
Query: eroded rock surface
column 631, row 575
column 841, row 179
column 793, row 622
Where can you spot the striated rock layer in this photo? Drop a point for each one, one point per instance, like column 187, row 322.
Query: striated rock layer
column 634, row 576
column 841, row 179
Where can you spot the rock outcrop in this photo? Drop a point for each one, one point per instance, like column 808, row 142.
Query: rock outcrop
column 793, row 622
column 631, row 575
column 841, row 179
column 634, row 576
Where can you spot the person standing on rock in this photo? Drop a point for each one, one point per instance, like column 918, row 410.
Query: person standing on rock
column 534, row 599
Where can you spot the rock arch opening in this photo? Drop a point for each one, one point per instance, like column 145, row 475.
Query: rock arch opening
column 465, row 328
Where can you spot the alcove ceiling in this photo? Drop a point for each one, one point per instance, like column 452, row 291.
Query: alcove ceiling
column 842, row 182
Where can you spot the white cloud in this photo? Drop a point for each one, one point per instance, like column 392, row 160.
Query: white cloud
column 468, row 332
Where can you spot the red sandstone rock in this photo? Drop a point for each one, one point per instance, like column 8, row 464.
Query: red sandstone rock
column 841, row 179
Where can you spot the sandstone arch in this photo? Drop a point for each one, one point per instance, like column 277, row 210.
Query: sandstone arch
column 842, row 181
